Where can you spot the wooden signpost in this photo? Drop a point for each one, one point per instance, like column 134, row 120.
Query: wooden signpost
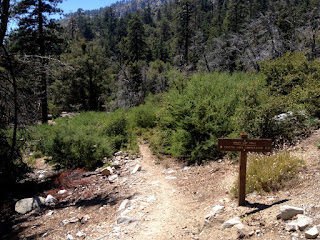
column 244, row 145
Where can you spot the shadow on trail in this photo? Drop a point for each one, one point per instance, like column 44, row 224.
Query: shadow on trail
column 260, row 207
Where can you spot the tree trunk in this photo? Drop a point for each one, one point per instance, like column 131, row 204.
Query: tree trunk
column 44, row 96
column 186, row 47
column 4, row 20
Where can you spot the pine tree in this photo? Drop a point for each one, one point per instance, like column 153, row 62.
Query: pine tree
column 36, row 36
column 136, row 39
column 84, row 25
column 109, row 35
column 87, row 84
column 184, row 28
column 237, row 14
column 219, row 13
column 147, row 16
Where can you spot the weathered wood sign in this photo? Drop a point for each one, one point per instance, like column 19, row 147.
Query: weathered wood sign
column 244, row 145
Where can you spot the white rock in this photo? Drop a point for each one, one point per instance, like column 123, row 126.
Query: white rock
column 116, row 164
column 224, row 200
column 230, row 223
column 41, row 176
column 118, row 153
column 26, row 205
column 288, row 212
column 65, row 222
column 291, row 226
column 270, row 198
column 107, row 171
column 73, row 220
column 170, row 177
column 242, row 230
column 101, row 208
column 215, row 210
column 80, row 234
column 312, row 233
column 70, row 237
column 113, row 177
column 123, row 205
column 50, row 199
column 171, row 171
column 49, row 213
column 85, row 218
column 136, row 169
column 151, row 198
column 303, row 222
column 126, row 219
column 62, row 191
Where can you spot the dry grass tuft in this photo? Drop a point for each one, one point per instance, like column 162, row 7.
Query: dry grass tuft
column 270, row 173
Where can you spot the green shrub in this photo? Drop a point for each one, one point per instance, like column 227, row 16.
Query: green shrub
column 270, row 173
column 295, row 81
column 193, row 114
column 37, row 154
column 78, row 142
column 75, row 146
column 144, row 116
column 180, row 141
column 191, row 119
column 115, row 127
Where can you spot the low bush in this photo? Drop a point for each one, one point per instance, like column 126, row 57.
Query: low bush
column 270, row 173
column 77, row 142
column 191, row 119
column 74, row 147
column 84, row 140
column 294, row 80
column 143, row 116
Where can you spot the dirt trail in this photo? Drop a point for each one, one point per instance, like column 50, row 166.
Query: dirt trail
column 170, row 201
column 171, row 214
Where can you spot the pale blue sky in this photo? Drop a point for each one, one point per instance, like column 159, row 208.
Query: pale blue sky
column 69, row 6
column 72, row 5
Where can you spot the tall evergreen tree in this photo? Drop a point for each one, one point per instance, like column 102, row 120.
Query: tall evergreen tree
column 36, row 36
column 109, row 22
column 184, row 28
column 85, row 25
column 136, row 39
column 237, row 14
column 147, row 16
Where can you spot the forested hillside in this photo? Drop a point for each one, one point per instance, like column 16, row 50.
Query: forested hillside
column 134, row 55
column 106, row 62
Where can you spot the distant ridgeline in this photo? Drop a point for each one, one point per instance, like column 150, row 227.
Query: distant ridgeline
column 122, row 7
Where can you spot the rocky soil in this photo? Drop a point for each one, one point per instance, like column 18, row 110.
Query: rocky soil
column 139, row 197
